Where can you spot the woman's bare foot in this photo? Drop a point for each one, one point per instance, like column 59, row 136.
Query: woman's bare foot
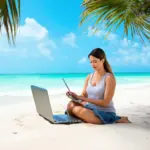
column 123, row 120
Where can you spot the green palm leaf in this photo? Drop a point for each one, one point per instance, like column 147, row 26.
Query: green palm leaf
column 134, row 15
column 9, row 17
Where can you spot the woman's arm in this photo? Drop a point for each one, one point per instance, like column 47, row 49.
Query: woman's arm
column 84, row 93
column 108, row 95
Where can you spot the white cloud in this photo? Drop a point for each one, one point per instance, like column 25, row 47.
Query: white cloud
column 135, row 44
column 95, row 32
column 122, row 51
column 128, row 52
column 112, row 37
column 44, row 50
column 100, row 33
column 82, row 60
column 70, row 39
column 32, row 29
column 132, row 55
column 32, row 40
column 125, row 42
column 145, row 55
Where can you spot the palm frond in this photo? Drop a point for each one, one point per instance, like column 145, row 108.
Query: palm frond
column 9, row 17
column 134, row 15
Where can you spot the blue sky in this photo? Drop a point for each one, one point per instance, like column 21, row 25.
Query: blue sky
column 49, row 40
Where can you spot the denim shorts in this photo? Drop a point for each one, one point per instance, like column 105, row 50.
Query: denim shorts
column 105, row 117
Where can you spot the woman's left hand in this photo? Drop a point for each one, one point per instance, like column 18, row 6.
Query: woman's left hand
column 80, row 97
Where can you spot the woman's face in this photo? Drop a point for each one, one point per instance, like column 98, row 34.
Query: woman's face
column 96, row 63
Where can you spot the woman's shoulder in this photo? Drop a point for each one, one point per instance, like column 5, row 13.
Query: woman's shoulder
column 110, row 77
column 89, row 76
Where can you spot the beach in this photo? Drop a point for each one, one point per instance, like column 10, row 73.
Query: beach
column 22, row 128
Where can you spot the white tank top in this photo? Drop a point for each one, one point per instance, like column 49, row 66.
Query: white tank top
column 97, row 92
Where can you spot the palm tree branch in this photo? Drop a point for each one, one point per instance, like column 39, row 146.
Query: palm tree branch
column 133, row 14
column 9, row 17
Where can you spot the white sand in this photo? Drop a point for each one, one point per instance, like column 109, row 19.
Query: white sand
column 22, row 129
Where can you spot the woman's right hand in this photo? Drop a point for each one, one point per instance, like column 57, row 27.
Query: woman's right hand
column 70, row 93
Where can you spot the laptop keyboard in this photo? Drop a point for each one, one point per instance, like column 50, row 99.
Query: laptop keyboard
column 58, row 118
column 66, row 119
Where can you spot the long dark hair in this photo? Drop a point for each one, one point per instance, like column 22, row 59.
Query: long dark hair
column 99, row 53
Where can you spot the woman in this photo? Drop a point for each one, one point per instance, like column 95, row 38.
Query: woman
column 97, row 106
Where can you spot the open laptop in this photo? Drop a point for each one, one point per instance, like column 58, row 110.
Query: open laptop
column 70, row 96
column 44, row 109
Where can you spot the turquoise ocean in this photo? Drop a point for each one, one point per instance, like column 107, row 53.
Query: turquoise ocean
column 20, row 83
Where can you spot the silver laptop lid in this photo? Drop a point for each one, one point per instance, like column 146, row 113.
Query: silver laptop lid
column 42, row 102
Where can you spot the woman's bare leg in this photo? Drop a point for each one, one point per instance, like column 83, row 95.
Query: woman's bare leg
column 86, row 115
column 77, row 112
column 70, row 106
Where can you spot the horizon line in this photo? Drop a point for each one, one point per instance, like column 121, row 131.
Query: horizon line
column 62, row 73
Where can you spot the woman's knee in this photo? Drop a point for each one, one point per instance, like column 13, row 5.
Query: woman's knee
column 87, row 115
column 70, row 105
column 77, row 109
column 91, row 118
